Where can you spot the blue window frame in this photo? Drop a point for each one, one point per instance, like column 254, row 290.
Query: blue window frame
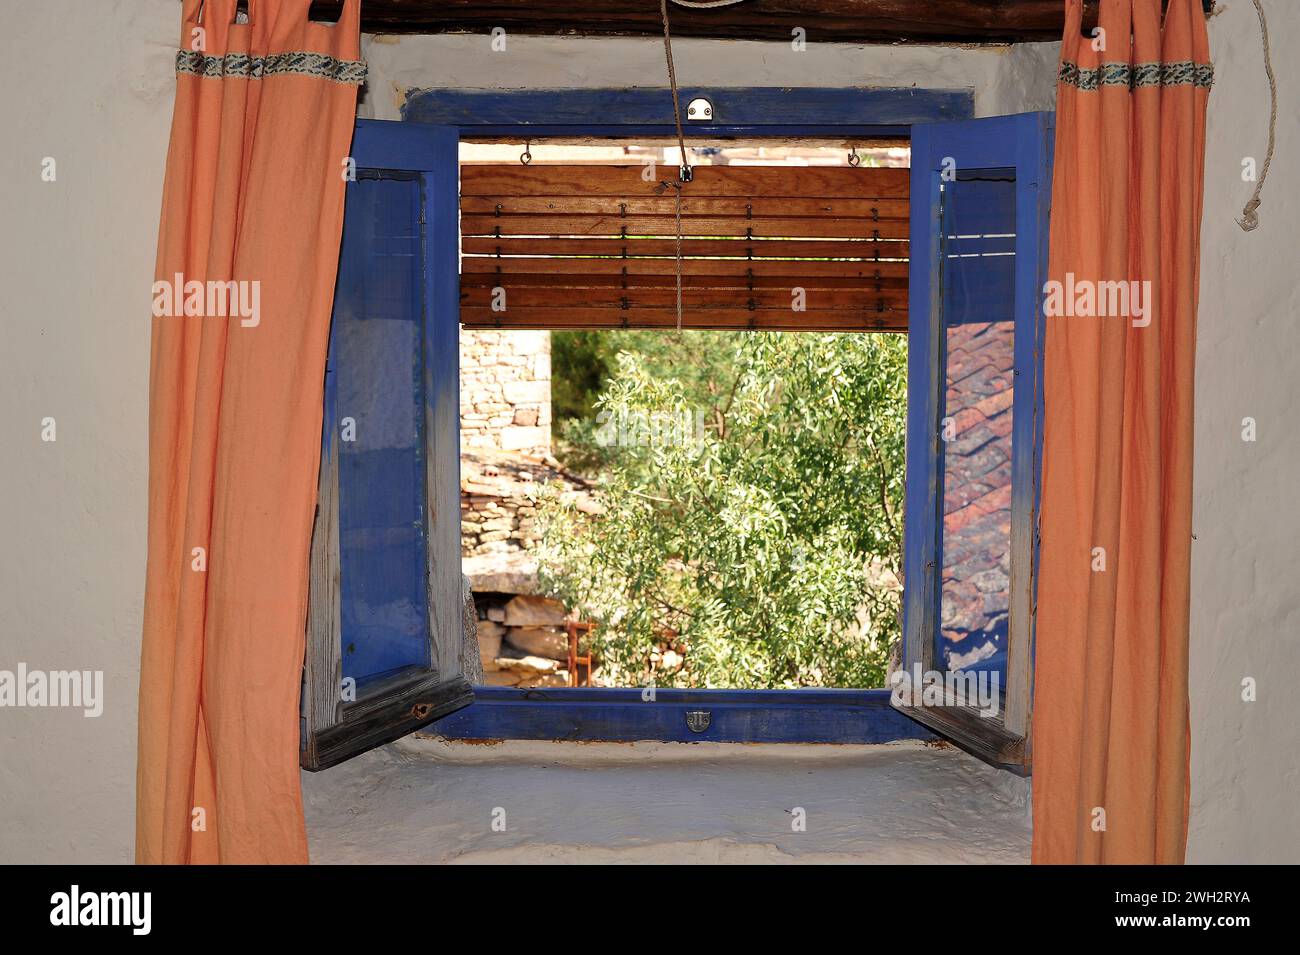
column 384, row 620
column 372, row 538
column 980, row 197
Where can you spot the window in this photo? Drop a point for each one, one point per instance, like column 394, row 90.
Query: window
column 385, row 627
column 980, row 195
column 384, row 623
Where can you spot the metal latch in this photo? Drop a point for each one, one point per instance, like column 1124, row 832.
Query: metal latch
column 697, row 721
column 700, row 110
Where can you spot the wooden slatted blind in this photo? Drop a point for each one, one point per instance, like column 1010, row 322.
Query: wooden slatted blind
column 594, row 246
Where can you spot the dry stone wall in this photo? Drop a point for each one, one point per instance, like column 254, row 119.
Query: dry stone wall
column 505, row 390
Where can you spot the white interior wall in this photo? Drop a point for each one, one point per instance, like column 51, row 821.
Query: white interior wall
column 1246, row 556
column 1004, row 79
column 91, row 84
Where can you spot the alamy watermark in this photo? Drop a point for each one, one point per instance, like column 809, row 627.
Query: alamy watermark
column 211, row 299
column 671, row 429
column 1084, row 298
column 130, row 909
column 978, row 688
column 75, row 689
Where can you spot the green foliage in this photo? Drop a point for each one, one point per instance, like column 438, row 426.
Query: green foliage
column 751, row 525
column 584, row 361
column 581, row 362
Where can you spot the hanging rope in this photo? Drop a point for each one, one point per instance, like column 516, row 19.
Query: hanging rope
column 1249, row 220
column 684, row 172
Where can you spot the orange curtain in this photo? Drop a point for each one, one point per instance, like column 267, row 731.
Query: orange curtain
column 1110, row 699
column 253, row 196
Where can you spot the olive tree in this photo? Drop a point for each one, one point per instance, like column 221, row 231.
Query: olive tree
column 749, row 532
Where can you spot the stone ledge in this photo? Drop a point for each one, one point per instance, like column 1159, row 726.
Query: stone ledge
column 513, row 572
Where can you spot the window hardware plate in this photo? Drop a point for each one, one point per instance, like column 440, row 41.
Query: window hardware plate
column 697, row 721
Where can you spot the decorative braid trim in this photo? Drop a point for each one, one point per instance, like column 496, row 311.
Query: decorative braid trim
column 1184, row 73
column 326, row 67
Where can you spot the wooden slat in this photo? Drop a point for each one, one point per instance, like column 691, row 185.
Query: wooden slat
column 473, row 268
column 667, row 279
column 823, row 227
column 571, row 247
column 825, row 320
column 766, row 248
column 805, row 182
column 858, row 299
column 729, row 206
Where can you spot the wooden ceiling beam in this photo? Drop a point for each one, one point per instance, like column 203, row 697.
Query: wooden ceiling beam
column 842, row 21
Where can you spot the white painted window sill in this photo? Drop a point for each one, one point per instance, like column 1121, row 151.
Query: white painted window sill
column 428, row 801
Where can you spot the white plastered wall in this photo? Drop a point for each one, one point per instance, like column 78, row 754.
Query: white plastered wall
column 1004, row 79
column 1245, row 512
column 91, row 85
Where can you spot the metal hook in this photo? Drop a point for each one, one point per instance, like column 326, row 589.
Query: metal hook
column 526, row 156
column 854, row 158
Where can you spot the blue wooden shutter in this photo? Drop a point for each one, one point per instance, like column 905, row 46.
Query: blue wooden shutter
column 980, row 196
column 385, row 626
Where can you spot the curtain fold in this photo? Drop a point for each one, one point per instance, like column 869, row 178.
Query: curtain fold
column 1110, row 728
column 247, row 254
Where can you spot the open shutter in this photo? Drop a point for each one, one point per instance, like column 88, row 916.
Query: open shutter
column 385, row 620
column 980, row 194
